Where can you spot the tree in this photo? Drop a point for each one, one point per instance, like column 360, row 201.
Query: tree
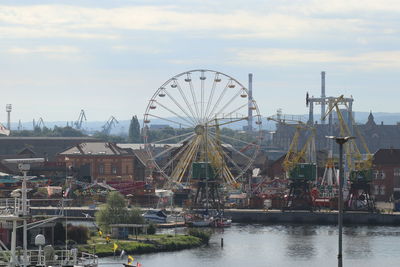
column 134, row 131
column 115, row 211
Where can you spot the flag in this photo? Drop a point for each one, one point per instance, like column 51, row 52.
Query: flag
column 130, row 259
column 115, row 247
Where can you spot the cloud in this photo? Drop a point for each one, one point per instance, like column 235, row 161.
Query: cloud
column 44, row 50
column 293, row 57
column 280, row 20
column 138, row 49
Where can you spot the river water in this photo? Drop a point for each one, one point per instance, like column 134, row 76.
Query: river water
column 283, row 245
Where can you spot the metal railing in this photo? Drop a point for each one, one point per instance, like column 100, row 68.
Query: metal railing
column 12, row 206
column 56, row 257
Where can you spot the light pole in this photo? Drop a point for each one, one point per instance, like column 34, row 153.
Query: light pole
column 341, row 141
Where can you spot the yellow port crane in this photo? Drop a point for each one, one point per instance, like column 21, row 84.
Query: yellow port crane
column 307, row 153
column 360, row 169
column 354, row 158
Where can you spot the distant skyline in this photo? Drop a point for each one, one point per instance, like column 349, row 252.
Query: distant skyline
column 109, row 57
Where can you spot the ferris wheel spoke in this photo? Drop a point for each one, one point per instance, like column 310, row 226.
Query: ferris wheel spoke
column 234, row 139
column 216, row 77
column 225, row 172
column 230, row 120
column 229, row 102
column 172, row 147
column 218, row 100
column 221, row 151
column 176, row 114
column 177, row 104
column 182, row 150
column 240, row 153
column 235, row 110
column 174, row 137
column 202, row 78
column 185, row 161
column 194, row 118
column 194, row 98
column 169, row 120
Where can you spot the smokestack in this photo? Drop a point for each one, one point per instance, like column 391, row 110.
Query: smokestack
column 8, row 109
column 250, row 104
column 323, row 96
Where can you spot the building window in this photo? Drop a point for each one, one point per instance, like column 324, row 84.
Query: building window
column 114, row 169
column 382, row 189
column 376, row 189
column 101, row 168
column 396, row 172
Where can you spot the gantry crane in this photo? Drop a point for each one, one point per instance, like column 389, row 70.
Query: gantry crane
column 79, row 121
column 107, row 127
column 359, row 167
column 40, row 123
column 300, row 167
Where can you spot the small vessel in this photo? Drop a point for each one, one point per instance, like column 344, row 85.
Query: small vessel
column 198, row 220
column 155, row 215
column 222, row 222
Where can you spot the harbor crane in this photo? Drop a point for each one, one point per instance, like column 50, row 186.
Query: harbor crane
column 79, row 121
column 300, row 165
column 39, row 124
column 359, row 167
column 107, row 127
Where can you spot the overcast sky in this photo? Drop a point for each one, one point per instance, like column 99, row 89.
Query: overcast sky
column 109, row 57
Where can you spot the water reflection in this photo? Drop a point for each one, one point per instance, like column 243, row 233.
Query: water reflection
column 300, row 241
column 286, row 245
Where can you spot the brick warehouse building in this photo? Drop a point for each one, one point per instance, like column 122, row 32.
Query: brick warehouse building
column 100, row 161
column 386, row 174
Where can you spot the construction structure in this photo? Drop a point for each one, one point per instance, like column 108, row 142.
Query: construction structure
column 327, row 101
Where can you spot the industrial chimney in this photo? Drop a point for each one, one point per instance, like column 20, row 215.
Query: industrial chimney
column 323, row 96
column 250, row 104
column 8, row 110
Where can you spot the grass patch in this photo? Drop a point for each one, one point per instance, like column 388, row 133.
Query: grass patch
column 144, row 244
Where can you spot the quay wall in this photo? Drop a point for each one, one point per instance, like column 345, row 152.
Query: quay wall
column 263, row 216
column 307, row 217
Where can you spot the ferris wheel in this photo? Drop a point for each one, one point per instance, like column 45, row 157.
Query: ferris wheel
column 202, row 114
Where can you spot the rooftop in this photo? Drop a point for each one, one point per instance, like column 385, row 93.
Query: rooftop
column 95, row 148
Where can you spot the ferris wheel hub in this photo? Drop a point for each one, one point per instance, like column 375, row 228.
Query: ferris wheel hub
column 199, row 129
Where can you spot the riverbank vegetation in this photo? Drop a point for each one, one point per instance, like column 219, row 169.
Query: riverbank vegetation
column 143, row 244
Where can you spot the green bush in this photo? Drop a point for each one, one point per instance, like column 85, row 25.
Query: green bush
column 151, row 230
column 202, row 234
column 80, row 234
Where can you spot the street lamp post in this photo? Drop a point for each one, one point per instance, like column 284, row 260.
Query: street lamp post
column 341, row 141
